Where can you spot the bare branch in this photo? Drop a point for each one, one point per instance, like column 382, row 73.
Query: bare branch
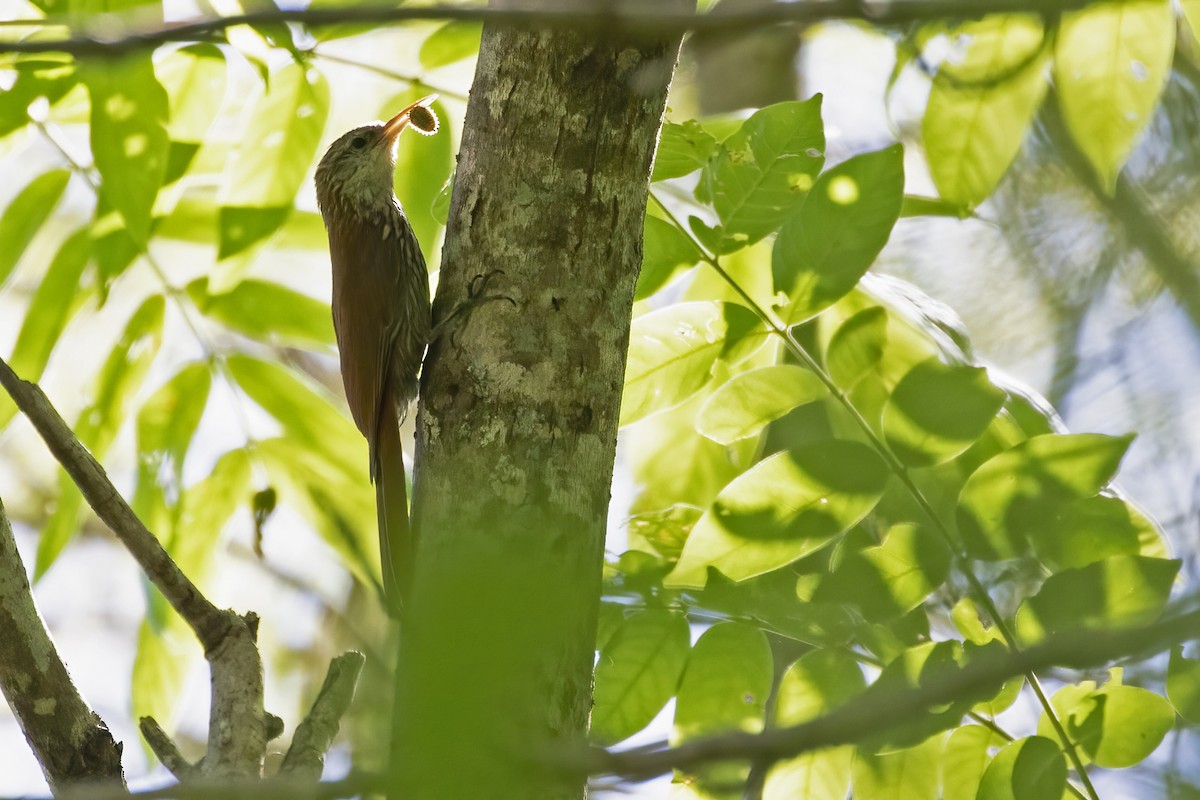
column 70, row 741
column 643, row 19
column 237, row 721
column 165, row 750
column 356, row 784
column 314, row 736
column 875, row 713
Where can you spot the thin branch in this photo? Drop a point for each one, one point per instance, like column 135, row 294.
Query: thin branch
column 314, row 736
column 874, row 713
column 237, row 722
column 640, row 20
column 165, row 750
column 70, row 741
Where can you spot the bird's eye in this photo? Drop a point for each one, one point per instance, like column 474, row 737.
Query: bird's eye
column 358, row 143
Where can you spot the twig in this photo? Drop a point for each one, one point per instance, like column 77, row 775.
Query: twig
column 642, row 20
column 70, row 741
column 874, row 713
column 165, row 750
column 305, row 759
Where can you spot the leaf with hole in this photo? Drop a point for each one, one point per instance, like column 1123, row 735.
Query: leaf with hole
column 761, row 174
column 823, row 251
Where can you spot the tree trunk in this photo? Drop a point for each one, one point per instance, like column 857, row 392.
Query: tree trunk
column 516, row 434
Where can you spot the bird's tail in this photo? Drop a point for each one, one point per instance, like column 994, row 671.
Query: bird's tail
column 391, row 503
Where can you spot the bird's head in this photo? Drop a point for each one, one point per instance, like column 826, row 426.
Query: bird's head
column 355, row 174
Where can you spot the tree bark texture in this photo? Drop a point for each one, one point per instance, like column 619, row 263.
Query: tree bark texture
column 72, row 744
column 516, row 434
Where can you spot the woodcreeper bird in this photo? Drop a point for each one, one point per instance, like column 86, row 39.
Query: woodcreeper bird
column 381, row 313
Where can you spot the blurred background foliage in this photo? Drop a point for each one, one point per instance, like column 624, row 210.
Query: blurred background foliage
column 163, row 274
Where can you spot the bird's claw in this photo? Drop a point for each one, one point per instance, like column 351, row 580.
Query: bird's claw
column 475, row 297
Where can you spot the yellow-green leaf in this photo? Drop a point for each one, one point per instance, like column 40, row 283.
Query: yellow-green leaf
column 1111, row 64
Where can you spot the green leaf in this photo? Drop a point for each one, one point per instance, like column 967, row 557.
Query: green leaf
column 816, row 684
column 423, row 165
column 276, row 150
column 813, row 686
column 1191, row 12
column 1116, row 592
column 965, row 760
column 816, row 774
column 823, row 251
column 194, row 79
column 1114, row 726
column 910, row 774
column 452, row 42
column 268, row 312
column 917, row 206
column 665, row 251
column 786, row 507
column 857, row 346
column 25, row 216
column 55, row 301
column 672, row 352
column 1183, row 685
column 1111, row 64
column 1092, row 529
column 637, row 673
column 744, row 405
column 1008, row 498
column 336, row 499
column 118, row 379
column 166, row 424
column 937, row 411
column 979, row 109
column 761, row 173
column 682, row 149
column 128, row 135
column 1032, row 768
column 46, row 75
column 891, row 579
column 726, row 683
column 304, row 410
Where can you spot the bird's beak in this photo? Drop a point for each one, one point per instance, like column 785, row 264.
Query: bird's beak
column 392, row 128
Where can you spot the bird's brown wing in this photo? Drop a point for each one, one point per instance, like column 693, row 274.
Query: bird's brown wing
column 364, row 305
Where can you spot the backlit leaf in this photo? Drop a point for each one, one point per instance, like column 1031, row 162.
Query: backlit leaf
column 1183, row 685
column 762, row 172
column 118, row 379
column 937, row 411
column 1032, row 768
column 128, row 135
column 26, row 214
column 665, row 251
column 1116, row 592
column 452, row 42
column 748, row 402
column 909, row 774
column 1093, row 529
column 892, row 578
column 637, row 673
column 843, row 224
column 980, row 107
column 1008, row 498
column 672, row 352
column 1111, row 64
column 965, row 759
column 857, row 346
column 682, row 149
column 276, row 150
column 268, row 312
column 1114, row 726
column 787, row 506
